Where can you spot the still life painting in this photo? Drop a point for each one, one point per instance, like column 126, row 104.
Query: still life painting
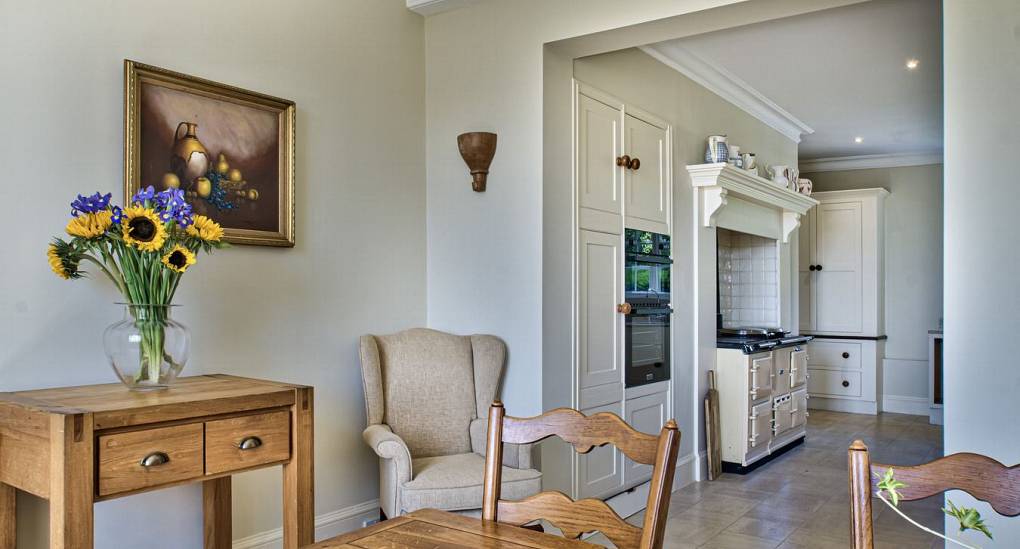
column 231, row 151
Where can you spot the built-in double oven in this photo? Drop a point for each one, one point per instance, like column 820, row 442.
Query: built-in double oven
column 646, row 290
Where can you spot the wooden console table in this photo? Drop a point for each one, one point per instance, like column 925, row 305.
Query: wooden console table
column 77, row 445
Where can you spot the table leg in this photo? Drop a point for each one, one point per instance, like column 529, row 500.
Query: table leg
column 298, row 475
column 71, row 481
column 8, row 525
column 216, row 513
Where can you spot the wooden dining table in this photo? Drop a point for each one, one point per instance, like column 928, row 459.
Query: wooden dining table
column 433, row 529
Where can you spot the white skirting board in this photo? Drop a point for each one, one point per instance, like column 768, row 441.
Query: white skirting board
column 327, row 525
column 898, row 404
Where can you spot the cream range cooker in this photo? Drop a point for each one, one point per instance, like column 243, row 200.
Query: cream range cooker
column 762, row 382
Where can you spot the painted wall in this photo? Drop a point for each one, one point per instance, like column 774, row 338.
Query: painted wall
column 356, row 70
column 694, row 112
column 982, row 298
column 913, row 266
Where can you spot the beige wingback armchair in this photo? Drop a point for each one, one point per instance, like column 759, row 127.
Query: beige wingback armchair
column 427, row 395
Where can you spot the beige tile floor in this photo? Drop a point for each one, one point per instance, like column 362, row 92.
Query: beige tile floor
column 800, row 500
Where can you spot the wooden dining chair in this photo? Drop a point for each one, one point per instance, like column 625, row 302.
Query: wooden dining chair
column 980, row 476
column 575, row 518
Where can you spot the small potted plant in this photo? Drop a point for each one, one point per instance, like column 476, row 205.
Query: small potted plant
column 144, row 249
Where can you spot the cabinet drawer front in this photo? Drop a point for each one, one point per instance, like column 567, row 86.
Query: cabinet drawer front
column 835, row 354
column 267, row 435
column 121, row 456
column 835, row 382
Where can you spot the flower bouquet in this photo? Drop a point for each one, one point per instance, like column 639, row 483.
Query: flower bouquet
column 144, row 249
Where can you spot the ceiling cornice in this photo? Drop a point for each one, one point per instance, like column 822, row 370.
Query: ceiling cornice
column 730, row 87
column 432, row 7
column 870, row 161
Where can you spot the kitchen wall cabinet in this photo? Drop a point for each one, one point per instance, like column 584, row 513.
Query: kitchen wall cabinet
column 842, row 295
column 646, row 184
column 622, row 179
column 599, row 179
column 841, row 264
column 623, row 165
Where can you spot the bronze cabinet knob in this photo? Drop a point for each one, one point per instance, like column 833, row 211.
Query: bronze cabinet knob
column 635, row 163
column 846, row 354
column 624, row 308
column 623, row 161
column 846, row 383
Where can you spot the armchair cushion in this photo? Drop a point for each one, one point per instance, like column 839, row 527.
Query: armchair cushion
column 517, row 456
column 454, row 483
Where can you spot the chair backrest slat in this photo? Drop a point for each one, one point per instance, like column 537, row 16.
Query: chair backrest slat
column 980, row 476
column 575, row 518
column 584, row 432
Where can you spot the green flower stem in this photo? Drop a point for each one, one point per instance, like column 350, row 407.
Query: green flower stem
column 102, row 268
column 921, row 526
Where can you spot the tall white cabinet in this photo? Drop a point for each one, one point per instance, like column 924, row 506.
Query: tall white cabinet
column 623, row 179
column 842, row 298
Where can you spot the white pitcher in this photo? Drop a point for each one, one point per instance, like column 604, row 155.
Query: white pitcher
column 717, row 151
column 779, row 175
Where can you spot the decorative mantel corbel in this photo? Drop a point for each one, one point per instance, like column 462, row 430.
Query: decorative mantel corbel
column 791, row 220
column 714, row 199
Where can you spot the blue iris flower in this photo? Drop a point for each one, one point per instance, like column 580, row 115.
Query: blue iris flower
column 143, row 194
column 174, row 207
column 90, row 204
column 118, row 215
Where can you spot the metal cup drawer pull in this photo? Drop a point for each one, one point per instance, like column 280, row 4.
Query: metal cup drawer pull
column 249, row 443
column 154, row 459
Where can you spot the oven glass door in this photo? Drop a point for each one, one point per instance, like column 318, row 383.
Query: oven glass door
column 647, row 337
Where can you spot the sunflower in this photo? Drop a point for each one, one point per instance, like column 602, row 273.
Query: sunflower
column 63, row 260
column 179, row 258
column 143, row 229
column 90, row 225
column 205, row 229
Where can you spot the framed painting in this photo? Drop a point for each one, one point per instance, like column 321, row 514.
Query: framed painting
column 230, row 150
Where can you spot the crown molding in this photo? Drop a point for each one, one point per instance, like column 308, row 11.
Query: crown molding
column 730, row 87
column 432, row 7
column 869, row 161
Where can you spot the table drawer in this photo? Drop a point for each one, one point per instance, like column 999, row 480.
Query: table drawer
column 246, row 441
column 174, row 454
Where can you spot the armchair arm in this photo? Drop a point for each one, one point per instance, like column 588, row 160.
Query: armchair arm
column 387, row 445
column 516, row 456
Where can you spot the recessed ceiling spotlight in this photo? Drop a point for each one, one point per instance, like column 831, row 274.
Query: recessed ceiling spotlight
column 858, row 139
column 912, row 64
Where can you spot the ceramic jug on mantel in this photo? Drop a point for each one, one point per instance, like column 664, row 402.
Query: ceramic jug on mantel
column 779, row 174
column 717, row 149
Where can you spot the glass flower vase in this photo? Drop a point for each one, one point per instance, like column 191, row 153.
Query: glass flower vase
column 147, row 349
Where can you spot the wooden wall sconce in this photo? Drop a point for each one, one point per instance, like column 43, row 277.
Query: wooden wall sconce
column 477, row 150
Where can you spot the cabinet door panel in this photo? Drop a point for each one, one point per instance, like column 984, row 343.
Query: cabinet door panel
column 598, row 145
column 805, row 259
column 647, row 187
column 600, row 472
column 646, row 414
column 601, row 327
column 838, row 299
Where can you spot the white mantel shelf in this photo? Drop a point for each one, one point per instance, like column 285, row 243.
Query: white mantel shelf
column 717, row 182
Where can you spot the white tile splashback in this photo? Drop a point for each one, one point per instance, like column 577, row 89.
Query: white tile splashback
column 748, row 280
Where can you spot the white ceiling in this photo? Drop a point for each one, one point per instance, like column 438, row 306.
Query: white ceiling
column 842, row 72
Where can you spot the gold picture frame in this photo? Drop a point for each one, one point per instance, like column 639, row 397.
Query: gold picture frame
column 257, row 128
